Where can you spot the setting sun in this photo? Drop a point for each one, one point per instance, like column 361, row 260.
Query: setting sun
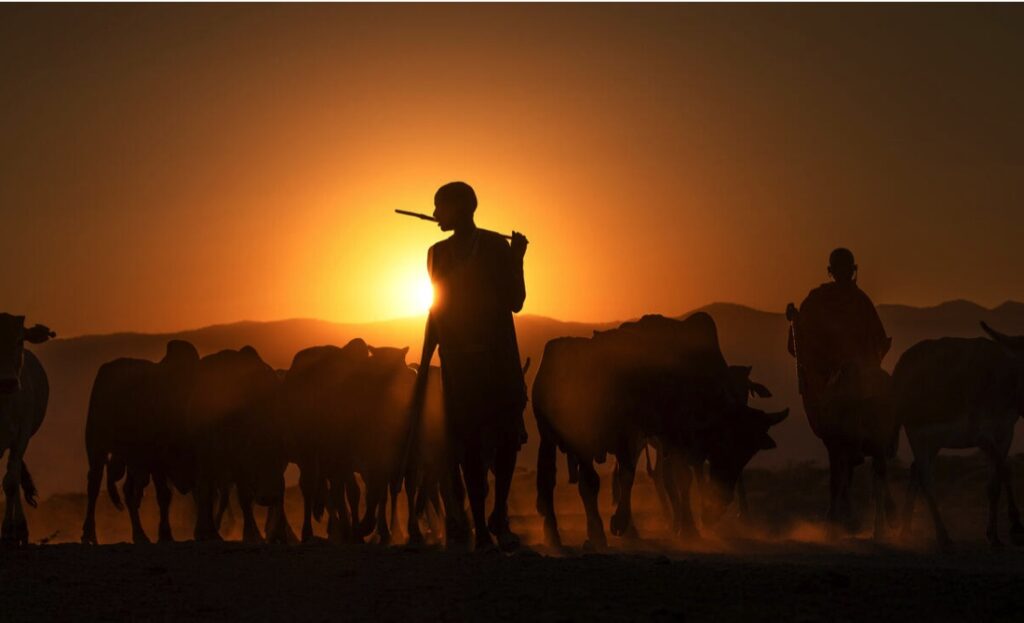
column 422, row 294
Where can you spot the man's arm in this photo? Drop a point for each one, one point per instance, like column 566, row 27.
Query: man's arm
column 516, row 288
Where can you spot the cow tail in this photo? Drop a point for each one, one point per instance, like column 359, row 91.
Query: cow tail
column 115, row 471
column 28, row 487
column 650, row 466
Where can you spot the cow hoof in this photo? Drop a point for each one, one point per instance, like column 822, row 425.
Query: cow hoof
column 252, row 539
column 509, row 541
column 13, row 534
column 89, row 538
column 484, row 542
column 165, row 537
column 140, row 538
column 620, row 524
column 209, row 537
column 595, row 545
column 993, row 540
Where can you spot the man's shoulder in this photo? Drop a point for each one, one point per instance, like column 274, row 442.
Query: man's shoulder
column 492, row 238
column 824, row 291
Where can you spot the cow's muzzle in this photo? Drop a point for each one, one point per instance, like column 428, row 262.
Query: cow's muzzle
column 9, row 384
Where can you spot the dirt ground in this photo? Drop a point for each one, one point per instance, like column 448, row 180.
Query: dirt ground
column 775, row 565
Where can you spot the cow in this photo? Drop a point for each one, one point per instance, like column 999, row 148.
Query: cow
column 306, row 416
column 24, row 393
column 961, row 393
column 135, row 426
column 346, row 412
column 743, row 388
column 653, row 378
column 231, row 429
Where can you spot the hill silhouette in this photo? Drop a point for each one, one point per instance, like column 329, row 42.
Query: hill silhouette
column 748, row 336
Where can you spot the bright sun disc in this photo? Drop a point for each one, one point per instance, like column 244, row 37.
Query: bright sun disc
column 423, row 294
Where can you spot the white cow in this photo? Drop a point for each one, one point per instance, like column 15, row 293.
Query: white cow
column 24, row 392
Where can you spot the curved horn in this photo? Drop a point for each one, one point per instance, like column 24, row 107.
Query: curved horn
column 1010, row 341
column 775, row 418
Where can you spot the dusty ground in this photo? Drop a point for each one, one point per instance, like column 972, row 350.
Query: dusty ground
column 776, row 566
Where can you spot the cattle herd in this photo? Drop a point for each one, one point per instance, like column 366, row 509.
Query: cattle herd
column 228, row 421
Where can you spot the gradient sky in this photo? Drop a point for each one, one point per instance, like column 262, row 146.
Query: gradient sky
column 166, row 167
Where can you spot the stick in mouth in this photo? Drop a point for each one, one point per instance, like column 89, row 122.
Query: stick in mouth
column 427, row 217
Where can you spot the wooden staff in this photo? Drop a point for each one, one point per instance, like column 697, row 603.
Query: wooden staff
column 427, row 217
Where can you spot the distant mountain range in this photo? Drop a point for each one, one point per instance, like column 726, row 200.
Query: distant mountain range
column 748, row 336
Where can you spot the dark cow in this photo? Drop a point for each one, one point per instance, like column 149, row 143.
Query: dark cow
column 656, row 377
column 232, row 431
column 961, row 393
column 135, row 424
column 24, row 393
column 346, row 412
column 307, row 416
column 742, row 389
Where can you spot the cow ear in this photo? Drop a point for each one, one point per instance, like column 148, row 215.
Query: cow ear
column 767, row 443
column 405, row 351
column 756, row 389
column 38, row 334
column 371, row 349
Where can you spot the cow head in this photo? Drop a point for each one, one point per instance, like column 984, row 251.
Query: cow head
column 730, row 448
column 13, row 336
column 389, row 356
column 742, row 387
column 1014, row 346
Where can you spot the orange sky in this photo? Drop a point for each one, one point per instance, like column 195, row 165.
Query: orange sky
column 174, row 166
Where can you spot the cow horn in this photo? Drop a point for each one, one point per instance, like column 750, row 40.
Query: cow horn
column 1012, row 342
column 778, row 416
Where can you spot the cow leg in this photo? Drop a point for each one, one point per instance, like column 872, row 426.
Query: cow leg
column 621, row 523
column 308, row 486
column 1013, row 515
column 835, row 477
column 924, row 474
column 679, row 496
column 590, row 486
column 475, row 472
column 657, row 474
column 456, row 524
column 276, row 527
column 504, row 470
column 342, row 525
column 203, row 494
column 134, row 486
column 880, row 493
column 97, row 461
column 741, row 497
column 163, row 499
column 352, row 493
column 395, row 489
column 250, row 531
column 14, row 530
column 913, row 484
column 413, row 493
column 546, row 472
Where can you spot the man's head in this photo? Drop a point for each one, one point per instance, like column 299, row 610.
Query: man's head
column 454, row 204
column 841, row 265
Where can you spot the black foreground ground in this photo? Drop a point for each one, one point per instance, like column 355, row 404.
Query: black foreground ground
column 775, row 566
column 233, row 581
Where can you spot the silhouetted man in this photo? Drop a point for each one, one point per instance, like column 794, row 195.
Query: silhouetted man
column 478, row 285
column 839, row 342
column 837, row 325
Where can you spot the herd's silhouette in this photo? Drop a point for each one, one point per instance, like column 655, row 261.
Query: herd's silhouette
column 363, row 425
